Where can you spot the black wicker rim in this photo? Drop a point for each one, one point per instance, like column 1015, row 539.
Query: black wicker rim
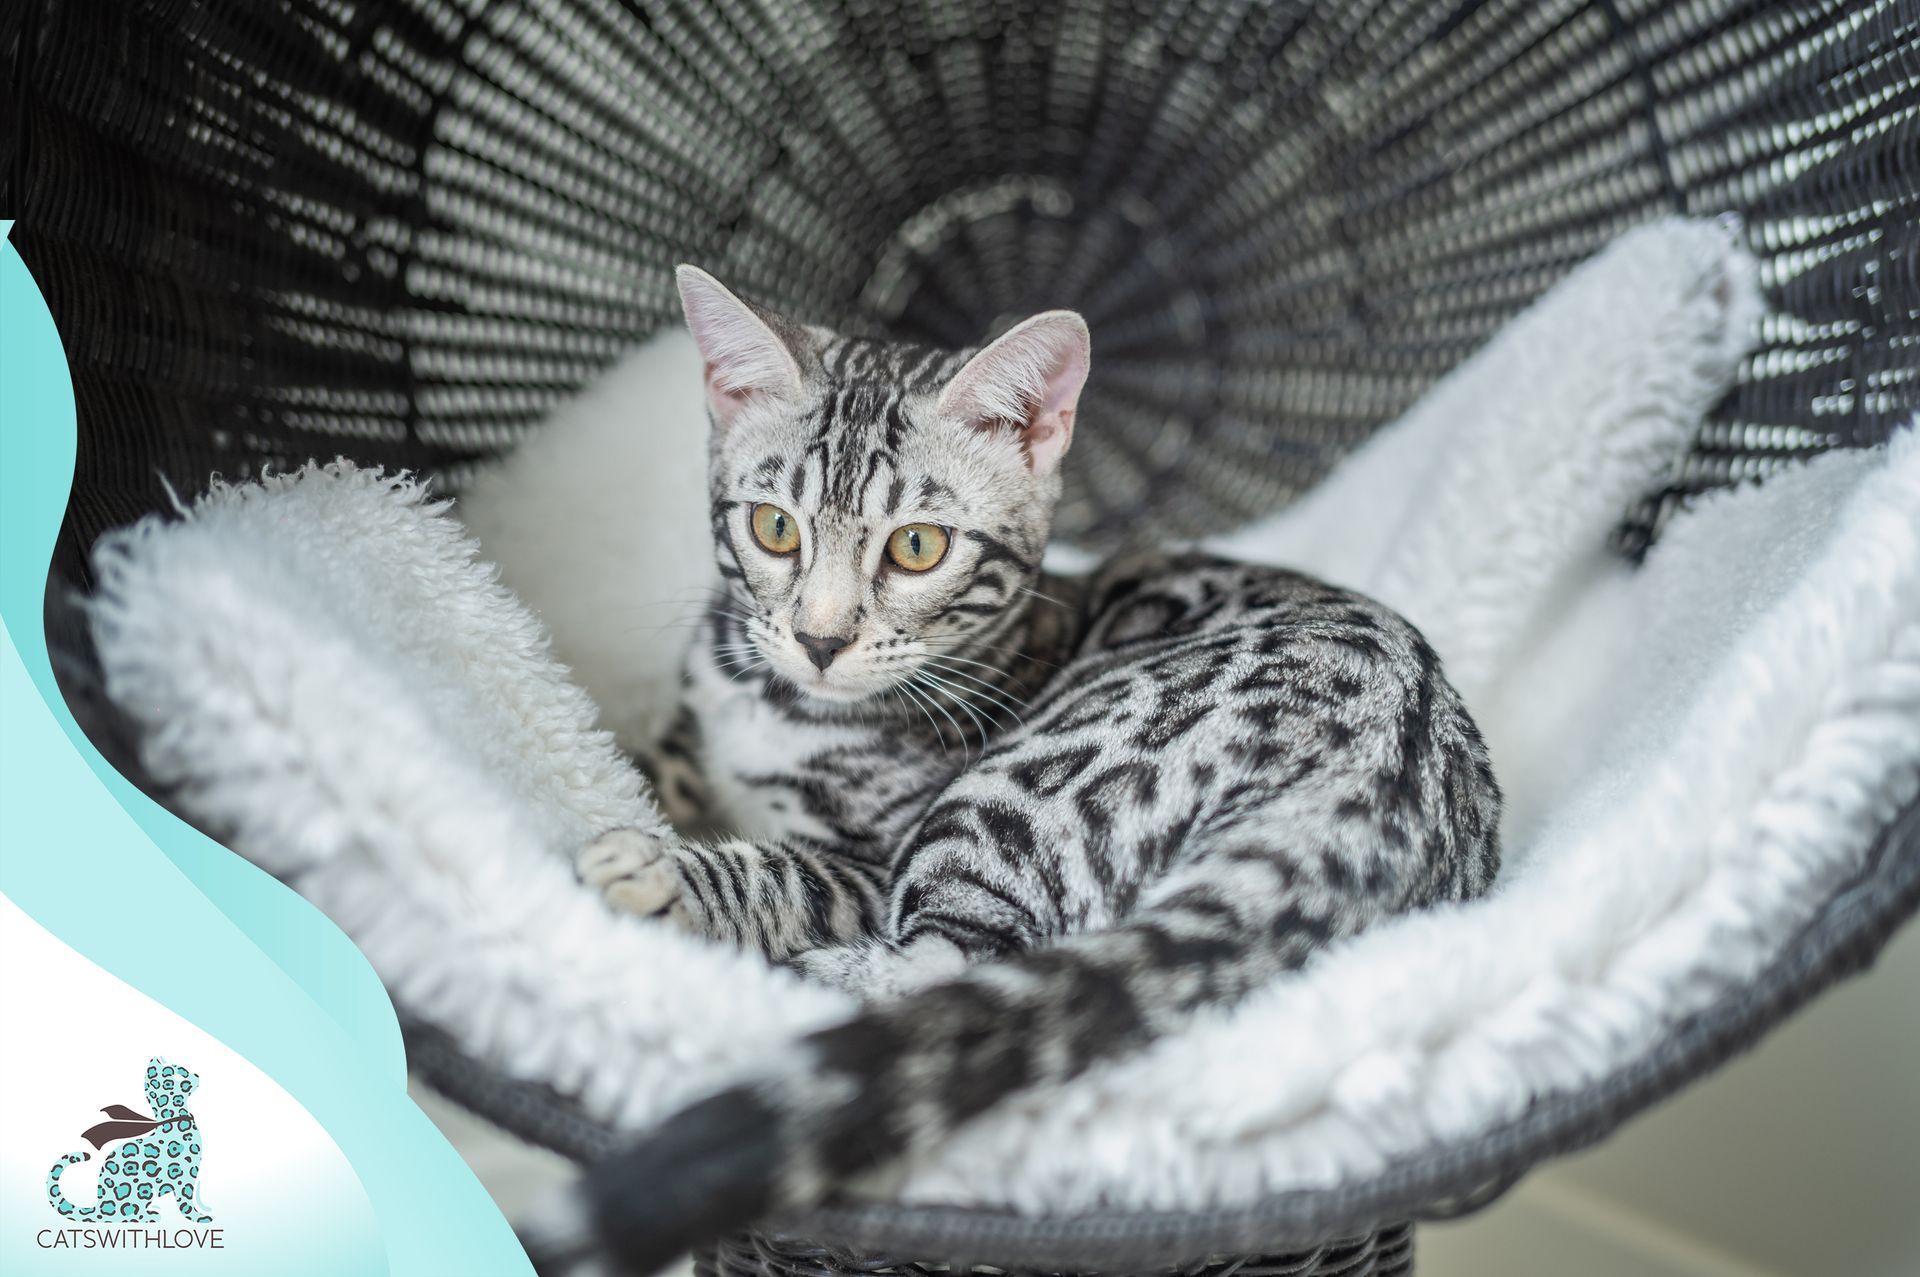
column 1384, row 1252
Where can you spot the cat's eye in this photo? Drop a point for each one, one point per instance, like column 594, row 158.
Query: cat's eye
column 917, row 546
column 774, row 529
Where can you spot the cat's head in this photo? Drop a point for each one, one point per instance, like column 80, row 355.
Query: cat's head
column 877, row 505
column 169, row 1085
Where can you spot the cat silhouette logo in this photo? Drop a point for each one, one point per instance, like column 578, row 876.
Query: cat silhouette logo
column 146, row 1157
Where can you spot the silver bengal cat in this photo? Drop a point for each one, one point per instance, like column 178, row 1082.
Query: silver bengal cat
column 1036, row 820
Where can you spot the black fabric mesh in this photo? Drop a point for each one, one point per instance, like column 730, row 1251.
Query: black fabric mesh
column 402, row 231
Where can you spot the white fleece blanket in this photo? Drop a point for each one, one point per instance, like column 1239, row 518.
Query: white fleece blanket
column 1695, row 753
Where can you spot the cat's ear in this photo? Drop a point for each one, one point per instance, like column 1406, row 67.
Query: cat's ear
column 745, row 357
column 1027, row 382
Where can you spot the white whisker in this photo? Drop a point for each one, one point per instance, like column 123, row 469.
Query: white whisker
column 965, row 695
column 1046, row 598
column 992, row 689
column 920, row 694
column 919, row 702
column 931, row 683
column 1010, row 652
column 746, row 665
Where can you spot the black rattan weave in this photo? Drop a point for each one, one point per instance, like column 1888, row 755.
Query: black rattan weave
column 401, row 230
column 277, row 228
column 1385, row 1252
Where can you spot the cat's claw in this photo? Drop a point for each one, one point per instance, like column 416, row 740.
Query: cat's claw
column 633, row 870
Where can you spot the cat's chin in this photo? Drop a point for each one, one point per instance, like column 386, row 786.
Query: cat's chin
column 827, row 691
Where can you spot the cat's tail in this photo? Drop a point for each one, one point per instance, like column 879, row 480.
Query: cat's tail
column 896, row 1079
column 57, row 1199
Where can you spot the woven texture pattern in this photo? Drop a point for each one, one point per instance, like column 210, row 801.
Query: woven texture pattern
column 1387, row 1252
column 401, row 231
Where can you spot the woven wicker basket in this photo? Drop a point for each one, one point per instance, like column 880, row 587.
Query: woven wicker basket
column 402, row 230
column 1384, row 1252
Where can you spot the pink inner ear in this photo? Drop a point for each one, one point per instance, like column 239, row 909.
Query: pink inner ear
column 1046, row 437
column 1029, row 379
column 1050, row 424
column 743, row 356
column 725, row 402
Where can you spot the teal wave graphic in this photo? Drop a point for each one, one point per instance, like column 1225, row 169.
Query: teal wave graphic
column 89, row 856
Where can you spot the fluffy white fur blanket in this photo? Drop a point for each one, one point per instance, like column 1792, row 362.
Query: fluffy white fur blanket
column 1695, row 752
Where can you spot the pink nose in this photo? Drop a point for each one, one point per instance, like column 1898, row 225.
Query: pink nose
column 821, row 651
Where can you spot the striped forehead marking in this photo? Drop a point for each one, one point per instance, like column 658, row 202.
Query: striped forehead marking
column 861, row 421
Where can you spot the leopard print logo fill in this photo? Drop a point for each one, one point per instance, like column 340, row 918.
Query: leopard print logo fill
column 145, row 1157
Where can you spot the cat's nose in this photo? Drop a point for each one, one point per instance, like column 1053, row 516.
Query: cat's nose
column 821, row 651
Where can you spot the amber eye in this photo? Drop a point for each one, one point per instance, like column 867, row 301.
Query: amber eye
column 917, row 547
column 774, row 529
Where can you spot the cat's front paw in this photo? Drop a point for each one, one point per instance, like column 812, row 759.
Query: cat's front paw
column 635, row 871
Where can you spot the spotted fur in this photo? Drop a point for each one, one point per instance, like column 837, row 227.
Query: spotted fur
column 137, row 1173
column 1037, row 820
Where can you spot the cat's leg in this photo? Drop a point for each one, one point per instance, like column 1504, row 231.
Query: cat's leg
column 780, row 898
column 186, row 1197
column 149, row 1204
column 672, row 766
column 118, row 1194
column 635, row 870
column 989, row 871
column 979, row 877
